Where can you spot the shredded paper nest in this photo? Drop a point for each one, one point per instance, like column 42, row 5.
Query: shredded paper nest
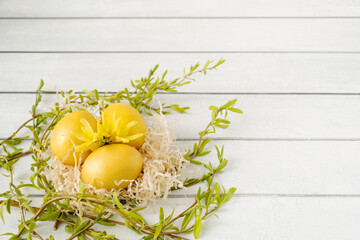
column 162, row 168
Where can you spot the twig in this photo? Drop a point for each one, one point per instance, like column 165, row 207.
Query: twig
column 47, row 128
column 57, row 222
column 43, row 207
column 180, row 215
column 82, row 230
column 202, row 136
column 21, row 126
column 21, row 155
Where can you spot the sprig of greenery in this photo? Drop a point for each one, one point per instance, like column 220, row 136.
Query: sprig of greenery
column 144, row 90
column 218, row 120
column 56, row 205
column 147, row 87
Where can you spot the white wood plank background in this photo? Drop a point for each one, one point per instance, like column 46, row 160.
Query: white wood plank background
column 280, row 73
column 184, row 8
column 293, row 64
column 179, row 35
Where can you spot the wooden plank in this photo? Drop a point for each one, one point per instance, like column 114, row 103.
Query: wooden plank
column 202, row 35
column 265, row 116
column 267, row 167
column 280, row 73
column 273, row 116
column 253, row 218
column 185, row 8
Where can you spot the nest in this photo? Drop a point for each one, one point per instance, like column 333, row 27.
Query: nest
column 163, row 164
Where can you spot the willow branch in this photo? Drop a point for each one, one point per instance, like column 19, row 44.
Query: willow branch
column 202, row 136
column 82, row 230
column 21, row 126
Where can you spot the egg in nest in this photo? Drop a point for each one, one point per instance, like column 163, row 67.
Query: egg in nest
column 63, row 142
column 112, row 166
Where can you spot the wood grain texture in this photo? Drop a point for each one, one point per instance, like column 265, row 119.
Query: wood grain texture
column 269, row 168
column 293, row 65
column 255, row 218
column 184, row 8
column 180, row 35
column 265, row 116
column 241, row 73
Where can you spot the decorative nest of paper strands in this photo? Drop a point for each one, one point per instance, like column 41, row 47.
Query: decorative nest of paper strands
column 163, row 163
column 149, row 148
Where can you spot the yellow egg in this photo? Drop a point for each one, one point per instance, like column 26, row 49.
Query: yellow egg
column 109, row 164
column 63, row 142
column 127, row 114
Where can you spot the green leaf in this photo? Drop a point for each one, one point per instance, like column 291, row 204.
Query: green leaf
column 138, row 209
column 117, row 202
column 170, row 216
column 217, row 196
column 223, row 126
column 99, row 208
column 64, row 205
column 205, row 177
column 32, row 226
column 7, row 234
column 28, row 185
column 213, row 108
column 69, row 229
column 97, row 234
column 172, row 227
column 190, row 181
column 8, row 205
column 135, row 216
column 213, row 214
column 36, row 136
column 161, row 215
column 81, row 226
column 106, row 223
column 213, row 115
column 203, row 144
column 206, row 64
column 29, row 208
column 82, row 188
column 235, row 110
column 208, row 167
column 49, row 216
column 203, row 153
column 128, row 225
column 229, row 104
column 221, row 61
column 158, row 231
column 41, row 84
column 221, row 120
column 195, row 162
column 229, row 195
column 222, row 164
column 110, row 236
column 96, row 94
column 208, row 198
column 147, row 237
column 81, row 237
column 187, row 219
column 8, row 165
column 1, row 211
column 197, row 226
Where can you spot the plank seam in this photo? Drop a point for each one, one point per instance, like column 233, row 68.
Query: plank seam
column 185, row 52
column 263, row 195
column 179, row 17
column 210, row 93
column 261, row 139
